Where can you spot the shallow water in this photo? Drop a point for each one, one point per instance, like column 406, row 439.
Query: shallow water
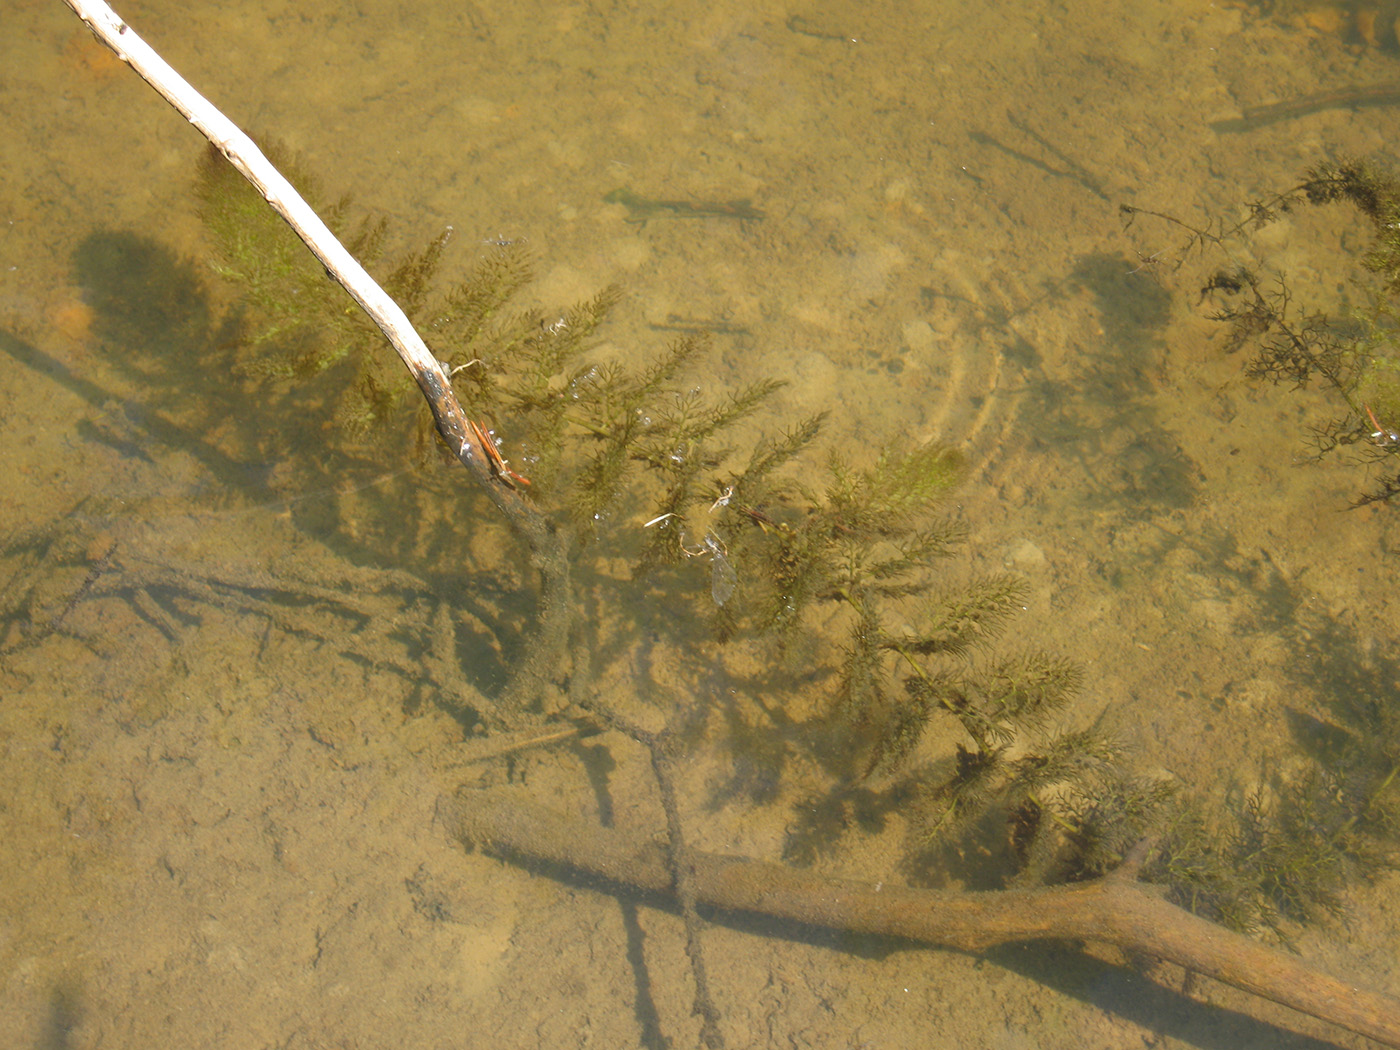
column 217, row 811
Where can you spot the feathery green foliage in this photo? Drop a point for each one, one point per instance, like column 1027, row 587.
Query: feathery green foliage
column 595, row 437
column 302, row 319
column 1353, row 356
column 929, row 711
column 1283, row 849
column 586, row 432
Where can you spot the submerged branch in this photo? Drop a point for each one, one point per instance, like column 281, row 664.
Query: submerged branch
column 1112, row 910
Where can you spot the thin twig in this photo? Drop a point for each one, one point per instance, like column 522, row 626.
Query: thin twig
column 661, row 746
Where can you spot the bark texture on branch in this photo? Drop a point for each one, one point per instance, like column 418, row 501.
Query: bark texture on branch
column 1114, row 910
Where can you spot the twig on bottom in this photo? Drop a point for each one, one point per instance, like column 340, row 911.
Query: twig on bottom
column 1110, row 910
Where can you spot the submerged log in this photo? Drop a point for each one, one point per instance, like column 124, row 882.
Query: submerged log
column 1116, row 909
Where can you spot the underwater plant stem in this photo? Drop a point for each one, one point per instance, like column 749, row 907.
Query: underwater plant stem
column 1114, row 909
column 983, row 744
column 1355, row 818
column 548, row 547
column 1304, row 349
column 683, row 883
column 661, row 746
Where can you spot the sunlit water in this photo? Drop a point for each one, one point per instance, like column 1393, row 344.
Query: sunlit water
column 218, row 818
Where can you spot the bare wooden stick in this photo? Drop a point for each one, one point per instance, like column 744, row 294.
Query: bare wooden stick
column 1114, row 910
column 244, row 155
column 535, row 674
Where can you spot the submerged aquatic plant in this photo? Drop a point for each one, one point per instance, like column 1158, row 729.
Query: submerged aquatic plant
column 1354, row 355
column 929, row 714
column 1283, row 848
column 586, row 437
